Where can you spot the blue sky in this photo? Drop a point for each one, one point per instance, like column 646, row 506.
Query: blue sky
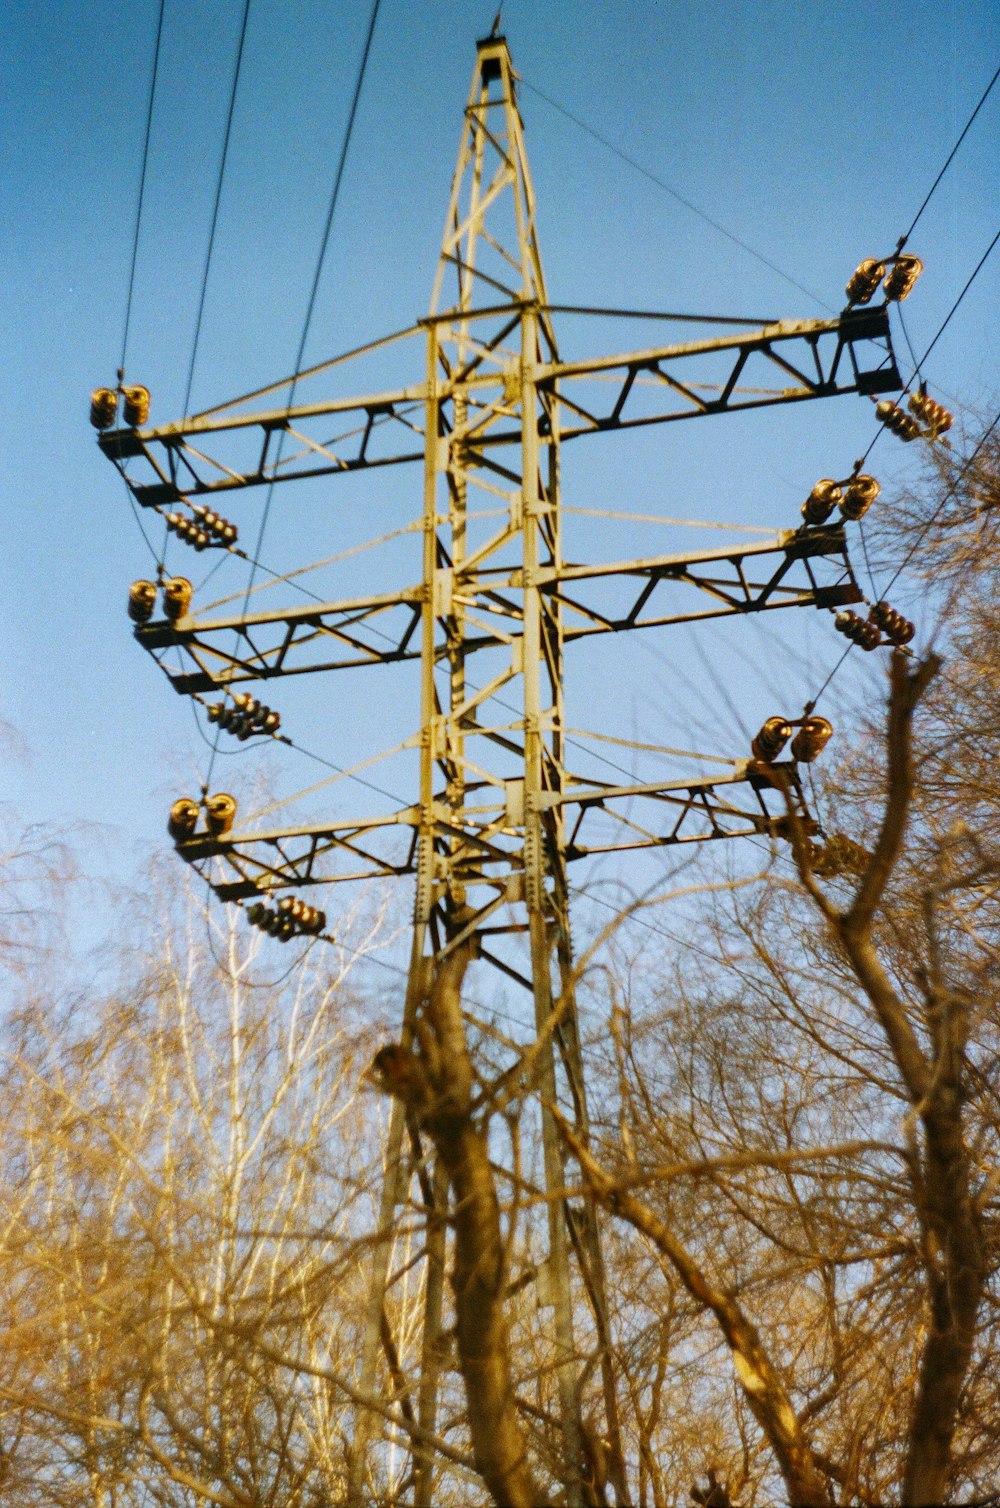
column 811, row 132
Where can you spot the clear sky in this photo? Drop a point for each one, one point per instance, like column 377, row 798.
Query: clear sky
column 812, row 132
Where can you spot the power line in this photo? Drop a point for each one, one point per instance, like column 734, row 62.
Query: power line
column 951, row 154
column 142, row 183
column 929, row 523
column 918, row 362
column 676, row 194
column 941, row 505
column 310, row 306
column 334, row 195
column 215, row 207
column 951, row 311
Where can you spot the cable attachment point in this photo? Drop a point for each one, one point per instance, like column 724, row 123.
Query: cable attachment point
column 205, row 528
column 902, row 276
column 103, row 407
column 897, row 274
column 854, row 495
column 136, row 405
column 141, row 601
column 177, row 594
column 897, row 629
column 894, row 418
column 936, row 417
column 860, row 631
column 813, row 735
column 220, row 811
column 293, row 918
column 245, row 718
column 863, row 283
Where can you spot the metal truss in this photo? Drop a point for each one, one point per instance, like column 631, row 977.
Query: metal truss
column 748, row 578
column 223, row 452
column 487, row 851
column 498, row 816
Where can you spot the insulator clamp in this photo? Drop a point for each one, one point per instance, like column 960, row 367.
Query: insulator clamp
column 245, row 718
column 293, row 918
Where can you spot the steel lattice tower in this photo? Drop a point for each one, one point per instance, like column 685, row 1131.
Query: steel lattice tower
column 499, row 815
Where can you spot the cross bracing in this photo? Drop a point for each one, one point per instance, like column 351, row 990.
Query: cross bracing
column 796, row 568
column 223, row 451
column 483, row 405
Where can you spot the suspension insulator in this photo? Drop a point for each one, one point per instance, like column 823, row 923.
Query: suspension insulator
column 247, row 717
column 897, row 629
column 136, row 405
column 901, row 277
column 183, row 818
column 141, row 601
column 811, row 739
column 839, row 854
column 305, row 918
column 865, row 280
column 934, row 415
column 256, row 914
column 862, row 490
column 859, row 630
column 821, row 501
column 771, row 739
column 893, row 417
column 103, row 407
column 187, row 530
column 219, row 813
column 220, row 528
column 177, row 597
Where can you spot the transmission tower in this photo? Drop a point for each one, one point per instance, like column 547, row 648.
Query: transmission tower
column 500, row 814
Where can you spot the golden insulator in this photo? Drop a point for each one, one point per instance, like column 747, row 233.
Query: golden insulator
column 256, row 914
column 771, row 739
column 141, row 601
column 858, row 630
column 136, row 405
column 177, row 597
column 103, row 407
column 839, row 854
column 183, row 818
column 219, row 813
column 861, row 492
column 897, row 629
column 902, row 276
column 219, row 527
column 865, row 280
column 935, row 415
column 811, row 739
column 894, row 418
column 821, row 501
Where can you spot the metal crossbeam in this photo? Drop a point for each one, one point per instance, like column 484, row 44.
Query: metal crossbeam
column 498, row 816
column 484, row 844
column 228, row 651
column 822, row 357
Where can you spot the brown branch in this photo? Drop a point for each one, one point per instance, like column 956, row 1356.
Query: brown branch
column 905, row 690
column 436, row 1082
column 762, row 1386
